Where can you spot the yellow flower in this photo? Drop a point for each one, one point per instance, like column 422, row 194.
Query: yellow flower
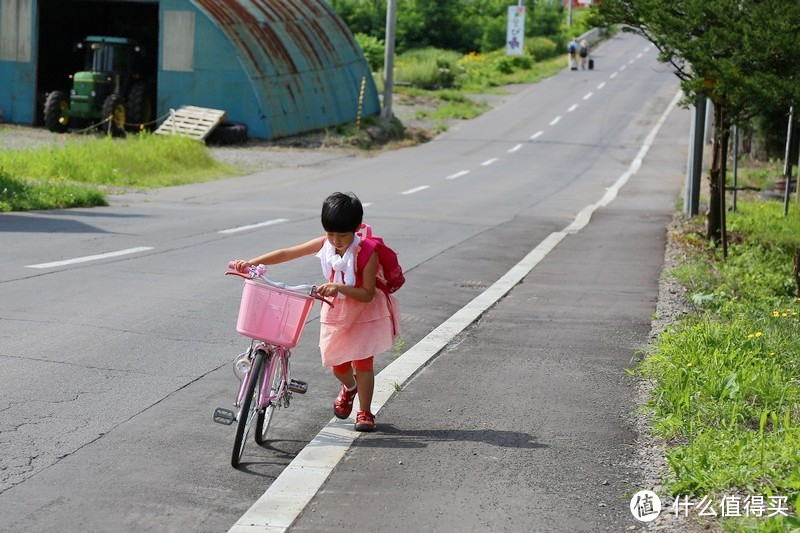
column 758, row 333
column 750, row 336
column 689, row 365
column 776, row 314
column 772, row 353
column 784, row 314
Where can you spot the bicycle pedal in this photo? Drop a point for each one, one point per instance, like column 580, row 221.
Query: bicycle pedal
column 224, row 416
column 300, row 387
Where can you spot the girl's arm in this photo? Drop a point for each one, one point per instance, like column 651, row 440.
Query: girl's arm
column 365, row 293
column 284, row 254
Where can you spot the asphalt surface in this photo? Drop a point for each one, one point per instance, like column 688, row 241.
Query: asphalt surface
column 111, row 368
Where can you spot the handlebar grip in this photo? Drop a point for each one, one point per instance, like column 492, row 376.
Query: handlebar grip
column 232, row 265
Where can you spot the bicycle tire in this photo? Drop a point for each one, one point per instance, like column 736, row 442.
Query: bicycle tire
column 275, row 380
column 247, row 409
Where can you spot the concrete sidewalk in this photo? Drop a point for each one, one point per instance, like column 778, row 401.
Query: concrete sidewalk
column 522, row 423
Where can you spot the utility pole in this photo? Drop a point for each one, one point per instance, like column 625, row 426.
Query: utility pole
column 569, row 14
column 388, row 61
column 787, row 165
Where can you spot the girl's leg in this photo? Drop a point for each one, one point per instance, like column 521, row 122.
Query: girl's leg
column 343, row 404
column 344, row 373
column 366, row 385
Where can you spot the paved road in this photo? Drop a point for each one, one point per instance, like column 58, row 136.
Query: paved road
column 112, row 367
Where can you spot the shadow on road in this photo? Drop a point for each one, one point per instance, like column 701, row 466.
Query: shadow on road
column 29, row 224
column 389, row 436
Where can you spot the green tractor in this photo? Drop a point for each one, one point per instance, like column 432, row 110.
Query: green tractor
column 111, row 85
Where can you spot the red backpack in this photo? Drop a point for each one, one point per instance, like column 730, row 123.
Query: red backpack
column 392, row 273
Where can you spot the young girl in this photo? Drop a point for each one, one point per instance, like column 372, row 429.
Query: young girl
column 363, row 321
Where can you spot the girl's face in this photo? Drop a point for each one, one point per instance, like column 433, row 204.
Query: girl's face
column 341, row 241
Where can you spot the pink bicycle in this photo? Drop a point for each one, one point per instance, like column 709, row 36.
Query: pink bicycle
column 272, row 315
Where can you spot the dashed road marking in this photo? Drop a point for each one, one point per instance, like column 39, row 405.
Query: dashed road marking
column 253, row 226
column 623, row 67
column 613, row 75
column 536, row 135
column 639, row 55
column 602, row 84
column 416, row 189
column 457, row 175
column 490, row 161
column 587, row 95
column 91, row 257
column 572, row 108
column 555, row 120
column 517, row 147
column 631, row 62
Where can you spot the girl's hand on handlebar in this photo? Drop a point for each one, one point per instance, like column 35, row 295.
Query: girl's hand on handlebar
column 241, row 266
column 328, row 289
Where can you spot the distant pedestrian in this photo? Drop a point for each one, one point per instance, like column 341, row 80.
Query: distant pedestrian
column 572, row 50
column 364, row 320
column 583, row 53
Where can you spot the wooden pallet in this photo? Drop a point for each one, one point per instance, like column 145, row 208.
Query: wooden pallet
column 191, row 121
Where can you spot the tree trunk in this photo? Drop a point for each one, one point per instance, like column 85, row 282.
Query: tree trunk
column 714, row 222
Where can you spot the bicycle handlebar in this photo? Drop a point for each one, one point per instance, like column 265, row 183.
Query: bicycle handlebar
column 257, row 272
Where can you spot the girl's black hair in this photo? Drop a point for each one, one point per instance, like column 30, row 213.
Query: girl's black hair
column 342, row 213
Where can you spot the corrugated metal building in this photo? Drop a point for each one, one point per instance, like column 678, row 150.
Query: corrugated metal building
column 280, row 66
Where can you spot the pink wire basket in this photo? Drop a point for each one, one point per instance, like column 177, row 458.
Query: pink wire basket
column 272, row 315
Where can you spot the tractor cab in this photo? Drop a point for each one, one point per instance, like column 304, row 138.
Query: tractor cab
column 110, row 87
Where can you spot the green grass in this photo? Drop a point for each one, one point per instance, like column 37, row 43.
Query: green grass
column 81, row 171
column 727, row 379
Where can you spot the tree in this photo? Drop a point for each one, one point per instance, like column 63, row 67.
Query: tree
column 739, row 53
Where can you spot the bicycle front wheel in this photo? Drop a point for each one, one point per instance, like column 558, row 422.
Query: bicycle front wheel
column 274, row 379
column 248, row 408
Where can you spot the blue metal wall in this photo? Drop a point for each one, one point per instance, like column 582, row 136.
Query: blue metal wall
column 18, row 78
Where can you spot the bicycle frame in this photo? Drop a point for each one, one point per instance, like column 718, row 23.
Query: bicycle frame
column 265, row 396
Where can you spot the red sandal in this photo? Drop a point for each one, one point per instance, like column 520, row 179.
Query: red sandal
column 343, row 404
column 365, row 421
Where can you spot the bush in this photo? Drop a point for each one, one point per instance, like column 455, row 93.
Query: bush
column 509, row 64
column 540, row 48
column 25, row 195
column 428, row 68
column 373, row 49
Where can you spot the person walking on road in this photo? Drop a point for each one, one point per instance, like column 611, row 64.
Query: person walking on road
column 572, row 50
column 583, row 53
column 363, row 321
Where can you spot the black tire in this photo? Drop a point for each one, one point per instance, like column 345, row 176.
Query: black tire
column 114, row 107
column 140, row 106
column 275, row 379
column 228, row 133
column 56, row 107
column 247, row 409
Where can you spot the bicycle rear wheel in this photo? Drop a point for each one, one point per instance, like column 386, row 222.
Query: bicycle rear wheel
column 247, row 409
column 274, row 380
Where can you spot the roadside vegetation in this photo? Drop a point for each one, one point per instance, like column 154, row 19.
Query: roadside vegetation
column 81, row 172
column 726, row 379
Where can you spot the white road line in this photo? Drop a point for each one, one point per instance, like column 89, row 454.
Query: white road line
column 91, row 257
column 623, row 67
column 457, row 175
column 602, row 84
column 490, row 161
column 639, row 55
column 517, row 147
column 291, row 491
column 613, row 75
column 253, row 226
column 416, row 189
column 631, row 62
column 647, row 49
column 555, row 120
column 587, row 95
column 536, row 135
column 367, row 204
column 572, row 108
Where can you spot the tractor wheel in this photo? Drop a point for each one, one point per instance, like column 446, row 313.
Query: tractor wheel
column 55, row 111
column 228, row 133
column 114, row 108
column 140, row 106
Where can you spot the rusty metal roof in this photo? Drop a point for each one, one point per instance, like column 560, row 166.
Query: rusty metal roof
column 300, row 57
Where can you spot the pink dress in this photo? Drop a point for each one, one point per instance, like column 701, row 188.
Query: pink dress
column 354, row 330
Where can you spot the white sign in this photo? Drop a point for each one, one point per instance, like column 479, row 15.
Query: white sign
column 515, row 34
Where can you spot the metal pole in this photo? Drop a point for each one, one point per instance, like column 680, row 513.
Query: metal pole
column 388, row 61
column 787, row 166
column 735, row 163
column 694, row 173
